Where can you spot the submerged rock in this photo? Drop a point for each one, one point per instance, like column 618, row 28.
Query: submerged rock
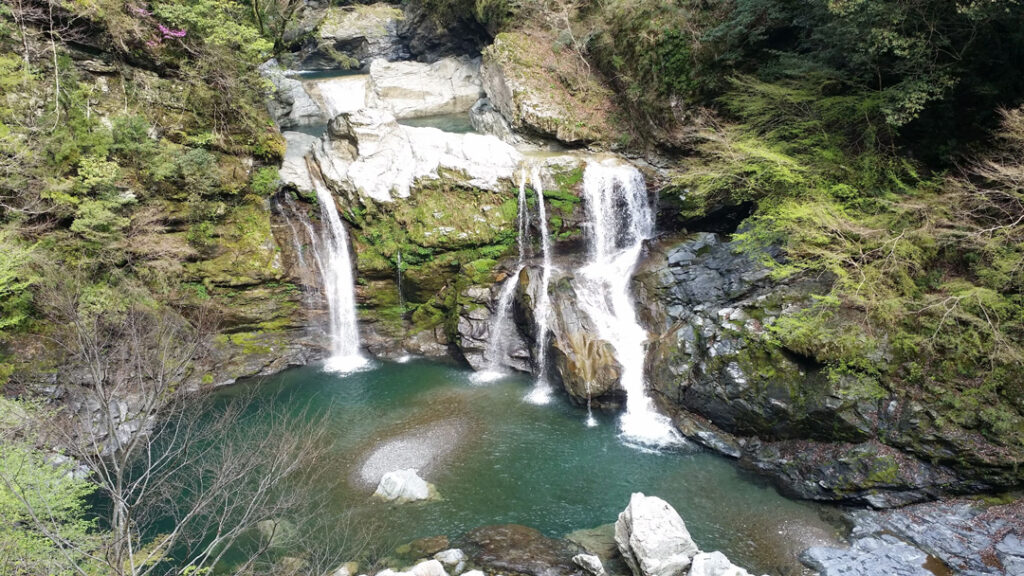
column 420, row 449
column 653, row 538
column 404, row 486
column 516, row 549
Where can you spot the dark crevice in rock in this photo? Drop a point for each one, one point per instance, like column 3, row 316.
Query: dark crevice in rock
column 722, row 220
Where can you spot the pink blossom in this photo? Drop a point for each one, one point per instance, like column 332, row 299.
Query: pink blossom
column 170, row 32
column 141, row 11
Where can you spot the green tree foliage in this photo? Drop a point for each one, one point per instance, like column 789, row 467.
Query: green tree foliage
column 43, row 523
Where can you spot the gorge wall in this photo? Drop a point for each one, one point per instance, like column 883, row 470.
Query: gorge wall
column 433, row 224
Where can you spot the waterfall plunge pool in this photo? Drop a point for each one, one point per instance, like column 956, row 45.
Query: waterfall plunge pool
column 496, row 459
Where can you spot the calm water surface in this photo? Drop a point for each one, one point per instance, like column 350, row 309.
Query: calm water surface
column 514, row 462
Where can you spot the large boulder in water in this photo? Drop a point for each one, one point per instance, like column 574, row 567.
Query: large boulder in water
column 653, row 538
column 404, row 486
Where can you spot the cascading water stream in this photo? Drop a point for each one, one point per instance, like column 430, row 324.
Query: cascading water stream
column 620, row 220
column 338, row 284
column 401, row 295
column 498, row 342
column 541, row 393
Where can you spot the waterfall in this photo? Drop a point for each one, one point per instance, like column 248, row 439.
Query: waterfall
column 541, row 393
column 335, row 266
column 620, row 219
column 401, row 296
column 497, row 345
column 292, row 214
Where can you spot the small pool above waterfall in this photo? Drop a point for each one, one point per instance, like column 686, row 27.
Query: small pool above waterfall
column 454, row 123
column 496, row 459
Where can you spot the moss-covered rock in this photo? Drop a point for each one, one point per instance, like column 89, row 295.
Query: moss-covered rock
column 547, row 93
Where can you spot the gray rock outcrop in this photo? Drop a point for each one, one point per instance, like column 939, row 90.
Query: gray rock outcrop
column 487, row 120
column 349, row 37
column 291, row 107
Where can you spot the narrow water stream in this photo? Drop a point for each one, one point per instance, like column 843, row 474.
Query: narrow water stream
column 497, row 459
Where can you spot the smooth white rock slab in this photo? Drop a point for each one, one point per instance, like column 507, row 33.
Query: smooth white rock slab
column 416, row 89
column 391, row 158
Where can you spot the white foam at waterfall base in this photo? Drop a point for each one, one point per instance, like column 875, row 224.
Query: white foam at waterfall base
column 621, row 219
column 339, row 288
column 541, row 392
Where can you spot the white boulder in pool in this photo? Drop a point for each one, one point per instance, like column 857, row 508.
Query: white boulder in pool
column 654, row 541
column 653, row 538
column 403, row 486
column 426, row 568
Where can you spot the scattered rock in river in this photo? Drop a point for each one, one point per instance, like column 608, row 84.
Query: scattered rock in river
column 516, row 549
column 653, row 538
column 453, row 558
column 423, row 547
column 590, row 563
column 404, row 486
column 714, row 564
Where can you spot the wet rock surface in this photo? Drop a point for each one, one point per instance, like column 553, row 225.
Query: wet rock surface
column 512, row 548
column 709, row 308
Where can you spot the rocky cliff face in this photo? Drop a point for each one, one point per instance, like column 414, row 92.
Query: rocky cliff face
column 433, row 221
column 710, row 309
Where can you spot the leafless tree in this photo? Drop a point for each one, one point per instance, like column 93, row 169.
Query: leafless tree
column 187, row 475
